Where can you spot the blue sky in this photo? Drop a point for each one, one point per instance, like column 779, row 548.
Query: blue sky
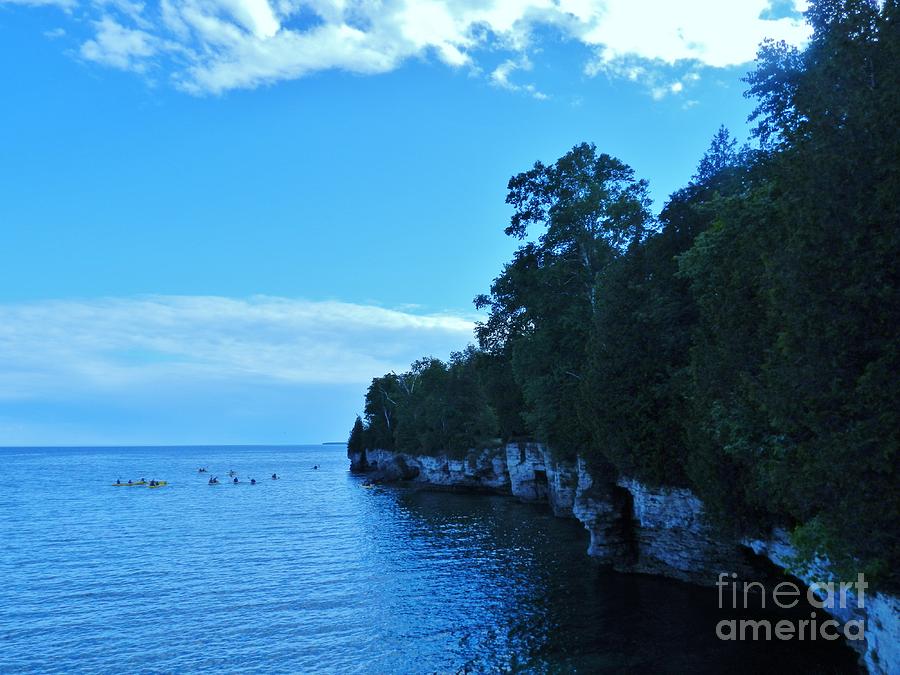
column 221, row 218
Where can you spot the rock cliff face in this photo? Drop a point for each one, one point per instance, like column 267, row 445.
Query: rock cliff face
column 881, row 612
column 672, row 537
column 562, row 485
column 883, row 634
column 604, row 510
column 527, row 472
column 632, row 527
column 483, row 470
column 358, row 462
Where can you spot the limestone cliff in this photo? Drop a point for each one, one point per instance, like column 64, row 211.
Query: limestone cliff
column 880, row 611
column 479, row 470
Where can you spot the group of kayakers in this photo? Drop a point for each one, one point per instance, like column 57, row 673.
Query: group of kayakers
column 214, row 480
column 142, row 481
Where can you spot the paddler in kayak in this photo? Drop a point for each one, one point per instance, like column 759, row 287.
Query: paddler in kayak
column 214, row 480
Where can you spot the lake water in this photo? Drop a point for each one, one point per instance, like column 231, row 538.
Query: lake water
column 313, row 573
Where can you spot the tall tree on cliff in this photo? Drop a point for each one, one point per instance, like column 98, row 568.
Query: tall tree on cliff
column 382, row 401
column 589, row 209
column 357, row 441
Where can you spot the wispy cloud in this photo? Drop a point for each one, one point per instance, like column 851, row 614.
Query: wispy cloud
column 500, row 77
column 215, row 45
column 57, row 349
column 120, row 47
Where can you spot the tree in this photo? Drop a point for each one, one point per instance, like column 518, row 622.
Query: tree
column 636, row 389
column 357, row 442
column 380, row 411
column 799, row 327
column 746, row 347
column 721, row 157
column 590, row 209
column 433, row 408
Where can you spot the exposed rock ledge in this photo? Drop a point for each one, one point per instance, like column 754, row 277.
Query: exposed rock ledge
column 632, row 527
column 483, row 470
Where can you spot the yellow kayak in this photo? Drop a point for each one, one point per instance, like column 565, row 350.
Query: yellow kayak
column 139, row 482
column 159, row 483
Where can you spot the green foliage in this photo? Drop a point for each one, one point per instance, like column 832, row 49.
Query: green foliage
column 589, row 210
column 381, row 411
column 815, row 540
column 745, row 344
column 434, row 408
column 795, row 356
column 357, row 442
column 504, row 395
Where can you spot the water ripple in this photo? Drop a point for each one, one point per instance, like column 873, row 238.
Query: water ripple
column 311, row 573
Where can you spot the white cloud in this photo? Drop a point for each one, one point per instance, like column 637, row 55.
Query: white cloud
column 119, row 47
column 227, row 44
column 660, row 92
column 55, row 348
column 713, row 33
column 500, row 77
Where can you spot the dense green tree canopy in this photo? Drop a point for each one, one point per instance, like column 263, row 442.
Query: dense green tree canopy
column 744, row 343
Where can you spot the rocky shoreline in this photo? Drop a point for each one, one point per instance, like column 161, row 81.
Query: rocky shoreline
column 633, row 527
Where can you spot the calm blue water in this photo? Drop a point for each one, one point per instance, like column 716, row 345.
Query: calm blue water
column 313, row 573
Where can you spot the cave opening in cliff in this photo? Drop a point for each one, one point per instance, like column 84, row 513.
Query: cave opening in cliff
column 541, row 484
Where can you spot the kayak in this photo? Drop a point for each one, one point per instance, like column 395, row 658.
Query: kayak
column 160, row 483
column 140, row 482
